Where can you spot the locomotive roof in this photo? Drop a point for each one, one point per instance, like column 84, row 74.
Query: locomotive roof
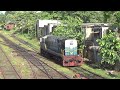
column 57, row 37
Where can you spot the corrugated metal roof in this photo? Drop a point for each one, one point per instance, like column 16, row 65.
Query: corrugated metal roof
column 93, row 24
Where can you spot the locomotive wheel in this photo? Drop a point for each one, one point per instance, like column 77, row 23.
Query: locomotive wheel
column 43, row 52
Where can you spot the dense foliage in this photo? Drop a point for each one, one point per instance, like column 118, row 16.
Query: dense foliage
column 110, row 48
column 2, row 19
column 25, row 21
column 70, row 27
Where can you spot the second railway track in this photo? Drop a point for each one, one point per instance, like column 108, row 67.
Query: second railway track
column 85, row 73
column 7, row 69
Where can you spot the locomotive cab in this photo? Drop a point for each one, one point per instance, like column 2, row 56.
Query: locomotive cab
column 70, row 47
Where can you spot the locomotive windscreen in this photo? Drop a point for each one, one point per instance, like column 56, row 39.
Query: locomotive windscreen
column 70, row 47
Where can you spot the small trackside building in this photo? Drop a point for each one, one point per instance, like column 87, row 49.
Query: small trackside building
column 45, row 27
column 93, row 31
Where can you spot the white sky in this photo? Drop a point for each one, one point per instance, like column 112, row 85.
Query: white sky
column 2, row 11
column 5, row 11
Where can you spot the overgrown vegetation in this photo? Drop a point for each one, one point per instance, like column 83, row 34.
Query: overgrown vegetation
column 110, row 48
column 70, row 27
column 25, row 20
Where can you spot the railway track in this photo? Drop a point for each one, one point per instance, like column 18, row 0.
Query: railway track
column 48, row 71
column 8, row 71
column 24, row 42
column 79, row 70
column 85, row 73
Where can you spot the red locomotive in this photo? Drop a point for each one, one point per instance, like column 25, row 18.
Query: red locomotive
column 9, row 26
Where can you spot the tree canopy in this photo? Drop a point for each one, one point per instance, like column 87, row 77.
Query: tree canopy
column 70, row 27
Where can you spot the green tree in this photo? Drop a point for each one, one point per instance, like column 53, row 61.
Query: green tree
column 110, row 48
column 70, row 28
column 2, row 19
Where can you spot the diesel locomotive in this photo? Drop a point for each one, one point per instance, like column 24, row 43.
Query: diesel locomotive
column 65, row 51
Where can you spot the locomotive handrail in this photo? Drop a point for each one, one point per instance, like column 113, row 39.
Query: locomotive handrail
column 80, row 52
column 63, row 52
